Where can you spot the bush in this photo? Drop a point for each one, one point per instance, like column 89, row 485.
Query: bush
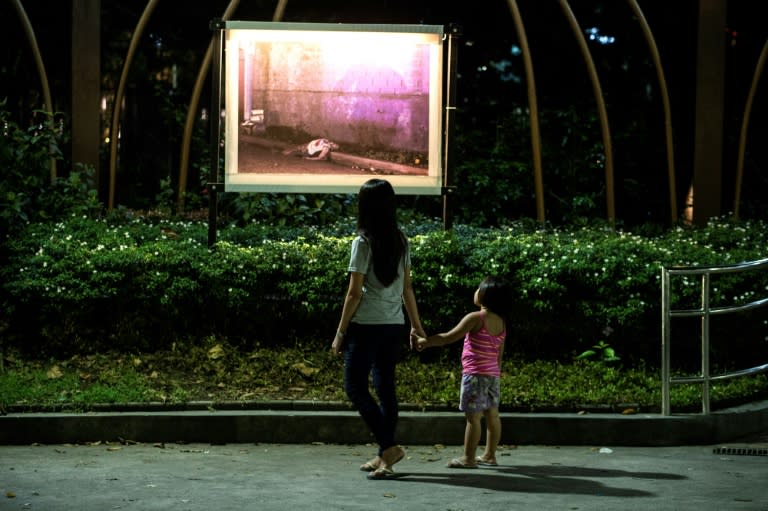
column 133, row 283
column 28, row 191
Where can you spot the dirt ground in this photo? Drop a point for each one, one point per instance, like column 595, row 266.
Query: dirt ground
column 263, row 156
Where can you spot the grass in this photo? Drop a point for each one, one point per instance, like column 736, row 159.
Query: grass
column 217, row 372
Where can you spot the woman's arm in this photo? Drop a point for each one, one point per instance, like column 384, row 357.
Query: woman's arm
column 351, row 302
column 409, row 299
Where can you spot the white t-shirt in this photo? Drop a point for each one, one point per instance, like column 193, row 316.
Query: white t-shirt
column 379, row 305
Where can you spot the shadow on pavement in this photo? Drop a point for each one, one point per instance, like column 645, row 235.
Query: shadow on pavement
column 528, row 480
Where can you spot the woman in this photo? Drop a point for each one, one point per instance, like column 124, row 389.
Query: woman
column 372, row 321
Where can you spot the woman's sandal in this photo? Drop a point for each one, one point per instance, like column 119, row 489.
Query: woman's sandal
column 486, row 463
column 457, row 463
column 371, row 466
column 388, row 458
column 382, row 473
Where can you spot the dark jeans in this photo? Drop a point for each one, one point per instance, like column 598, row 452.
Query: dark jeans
column 374, row 350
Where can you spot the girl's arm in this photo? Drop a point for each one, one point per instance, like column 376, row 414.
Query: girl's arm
column 501, row 353
column 469, row 323
column 351, row 302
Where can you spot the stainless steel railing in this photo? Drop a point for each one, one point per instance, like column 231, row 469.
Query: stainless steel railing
column 705, row 311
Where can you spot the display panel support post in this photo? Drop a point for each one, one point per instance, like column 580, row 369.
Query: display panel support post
column 214, row 182
column 454, row 31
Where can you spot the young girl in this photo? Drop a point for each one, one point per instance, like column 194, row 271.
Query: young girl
column 483, row 332
column 371, row 329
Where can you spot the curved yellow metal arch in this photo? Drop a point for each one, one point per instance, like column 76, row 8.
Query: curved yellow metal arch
column 189, row 124
column 609, row 186
column 114, row 130
column 744, row 127
column 193, row 102
column 667, row 110
column 533, row 109
column 30, row 32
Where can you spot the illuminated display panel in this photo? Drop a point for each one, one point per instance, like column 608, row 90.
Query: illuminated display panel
column 374, row 91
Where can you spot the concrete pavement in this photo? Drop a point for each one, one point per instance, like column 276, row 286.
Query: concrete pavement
column 265, row 477
column 298, row 455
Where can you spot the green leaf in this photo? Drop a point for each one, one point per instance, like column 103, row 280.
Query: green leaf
column 586, row 354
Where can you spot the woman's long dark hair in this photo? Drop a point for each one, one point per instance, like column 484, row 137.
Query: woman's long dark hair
column 377, row 222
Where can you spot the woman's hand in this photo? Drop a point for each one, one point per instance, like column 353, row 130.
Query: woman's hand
column 337, row 344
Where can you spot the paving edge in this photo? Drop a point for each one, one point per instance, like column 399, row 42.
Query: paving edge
column 415, row 427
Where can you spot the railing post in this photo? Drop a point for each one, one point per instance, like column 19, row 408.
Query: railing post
column 705, row 343
column 665, row 337
column 704, row 312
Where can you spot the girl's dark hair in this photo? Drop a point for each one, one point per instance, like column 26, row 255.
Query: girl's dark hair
column 493, row 294
column 377, row 223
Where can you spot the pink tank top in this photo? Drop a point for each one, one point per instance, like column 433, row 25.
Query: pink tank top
column 481, row 351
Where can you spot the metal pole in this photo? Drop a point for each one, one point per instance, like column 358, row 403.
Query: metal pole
column 450, row 111
column 215, row 137
column 665, row 337
column 705, row 344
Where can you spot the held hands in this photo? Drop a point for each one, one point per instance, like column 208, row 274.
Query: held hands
column 419, row 339
column 416, row 333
